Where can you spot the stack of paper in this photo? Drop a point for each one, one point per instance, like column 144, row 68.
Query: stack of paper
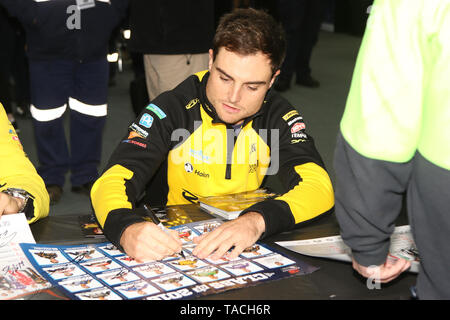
column 17, row 275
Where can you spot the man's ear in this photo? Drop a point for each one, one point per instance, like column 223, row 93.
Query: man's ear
column 274, row 77
column 211, row 59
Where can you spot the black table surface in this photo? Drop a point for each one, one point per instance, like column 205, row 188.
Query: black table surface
column 335, row 280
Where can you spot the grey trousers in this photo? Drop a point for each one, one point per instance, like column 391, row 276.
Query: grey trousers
column 164, row 72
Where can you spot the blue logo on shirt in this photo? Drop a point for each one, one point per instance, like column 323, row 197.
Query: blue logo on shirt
column 146, row 120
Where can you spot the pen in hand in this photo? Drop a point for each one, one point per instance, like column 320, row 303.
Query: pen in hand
column 156, row 221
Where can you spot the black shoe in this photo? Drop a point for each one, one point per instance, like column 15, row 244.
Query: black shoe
column 309, row 82
column 282, row 85
column 55, row 192
column 84, row 188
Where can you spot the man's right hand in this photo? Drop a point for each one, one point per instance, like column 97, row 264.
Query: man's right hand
column 145, row 241
column 385, row 272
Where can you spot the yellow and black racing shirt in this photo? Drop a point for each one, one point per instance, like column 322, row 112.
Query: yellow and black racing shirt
column 17, row 171
column 180, row 134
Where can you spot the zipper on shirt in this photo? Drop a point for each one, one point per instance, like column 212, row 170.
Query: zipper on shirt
column 232, row 134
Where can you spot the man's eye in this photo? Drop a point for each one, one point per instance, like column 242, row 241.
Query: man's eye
column 224, row 79
column 252, row 88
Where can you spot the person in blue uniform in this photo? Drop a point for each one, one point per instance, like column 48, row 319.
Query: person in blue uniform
column 67, row 52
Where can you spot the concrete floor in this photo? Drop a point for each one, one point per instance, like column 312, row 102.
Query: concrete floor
column 332, row 64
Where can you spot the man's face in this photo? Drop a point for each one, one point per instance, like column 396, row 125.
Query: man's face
column 238, row 84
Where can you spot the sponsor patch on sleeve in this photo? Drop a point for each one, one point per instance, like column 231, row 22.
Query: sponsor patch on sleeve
column 141, row 132
column 156, row 110
column 297, row 127
column 15, row 137
column 146, row 120
column 136, row 143
column 290, row 114
column 295, row 120
column 134, row 134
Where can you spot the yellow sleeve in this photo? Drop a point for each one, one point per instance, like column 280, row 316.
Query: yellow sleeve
column 312, row 196
column 17, row 171
column 109, row 192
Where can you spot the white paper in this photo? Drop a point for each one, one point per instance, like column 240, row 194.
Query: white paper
column 402, row 246
column 17, row 275
column 15, row 227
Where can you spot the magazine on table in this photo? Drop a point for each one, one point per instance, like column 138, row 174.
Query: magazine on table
column 229, row 207
column 89, row 226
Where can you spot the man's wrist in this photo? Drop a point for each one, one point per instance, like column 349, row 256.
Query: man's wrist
column 257, row 221
column 118, row 220
column 20, row 197
column 20, row 203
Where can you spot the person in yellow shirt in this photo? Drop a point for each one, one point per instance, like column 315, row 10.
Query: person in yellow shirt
column 219, row 132
column 21, row 188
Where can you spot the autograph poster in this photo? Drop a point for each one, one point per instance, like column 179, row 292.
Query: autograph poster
column 101, row 272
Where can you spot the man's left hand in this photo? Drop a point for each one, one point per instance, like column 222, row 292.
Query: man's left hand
column 9, row 204
column 240, row 234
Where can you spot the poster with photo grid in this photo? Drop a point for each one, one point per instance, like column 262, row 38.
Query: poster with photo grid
column 102, row 272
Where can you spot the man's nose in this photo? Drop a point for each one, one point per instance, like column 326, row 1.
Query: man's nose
column 234, row 94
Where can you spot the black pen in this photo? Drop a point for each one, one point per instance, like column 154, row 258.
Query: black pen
column 156, row 221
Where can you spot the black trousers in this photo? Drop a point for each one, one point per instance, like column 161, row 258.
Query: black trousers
column 301, row 20
column 13, row 64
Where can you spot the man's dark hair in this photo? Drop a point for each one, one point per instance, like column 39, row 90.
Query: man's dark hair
column 247, row 31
